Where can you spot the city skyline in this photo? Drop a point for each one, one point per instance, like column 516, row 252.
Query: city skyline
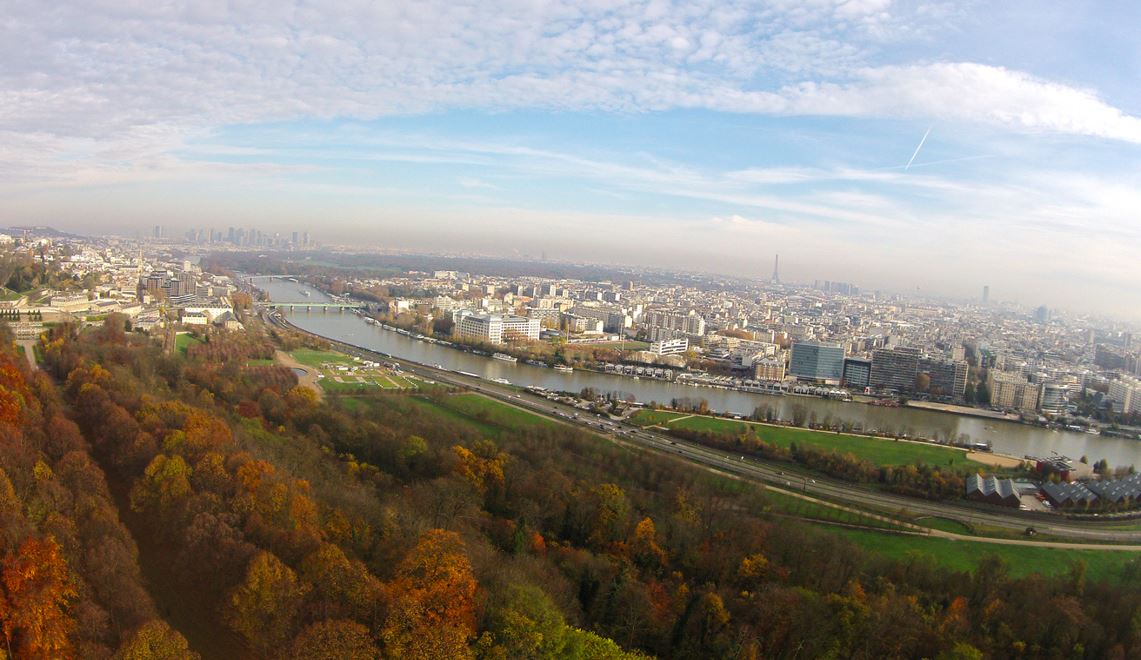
column 903, row 146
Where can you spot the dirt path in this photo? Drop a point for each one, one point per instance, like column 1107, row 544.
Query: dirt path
column 308, row 380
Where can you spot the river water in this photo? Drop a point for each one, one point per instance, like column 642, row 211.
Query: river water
column 1006, row 437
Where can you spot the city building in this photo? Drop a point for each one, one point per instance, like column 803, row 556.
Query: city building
column 495, row 329
column 670, row 346
column 573, row 323
column 1125, row 395
column 1012, row 391
column 857, row 373
column 1071, row 495
column 817, row 362
column 1055, row 398
column 992, row 490
column 769, row 369
column 688, row 323
column 895, row 369
column 947, row 377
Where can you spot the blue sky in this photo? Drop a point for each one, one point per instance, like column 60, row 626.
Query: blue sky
column 702, row 135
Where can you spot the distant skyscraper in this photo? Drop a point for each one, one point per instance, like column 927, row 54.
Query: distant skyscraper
column 776, row 270
column 1042, row 314
column 986, row 294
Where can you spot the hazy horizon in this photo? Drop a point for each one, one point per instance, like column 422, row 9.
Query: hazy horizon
column 895, row 145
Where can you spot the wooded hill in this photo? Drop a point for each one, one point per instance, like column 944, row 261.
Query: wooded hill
column 153, row 504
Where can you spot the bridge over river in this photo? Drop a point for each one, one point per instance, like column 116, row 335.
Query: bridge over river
column 313, row 306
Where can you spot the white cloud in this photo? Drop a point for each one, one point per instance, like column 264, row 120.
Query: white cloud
column 138, row 77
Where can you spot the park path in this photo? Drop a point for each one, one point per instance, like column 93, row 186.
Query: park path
column 308, row 380
column 29, row 352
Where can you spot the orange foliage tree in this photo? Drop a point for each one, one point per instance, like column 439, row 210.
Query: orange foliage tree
column 434, row 612
column 33, row 606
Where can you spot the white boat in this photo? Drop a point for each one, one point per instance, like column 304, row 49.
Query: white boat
column 564, row 368
column 505, row 357
column 501, row 381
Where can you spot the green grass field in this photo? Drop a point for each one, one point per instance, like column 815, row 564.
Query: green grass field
column 430, row 407
column 185, row 341
column 945, row 525
column 876, row 450
column 964, row 555
column 794, row 506
column 313, row 358
column 651, row 417
column 482, row 415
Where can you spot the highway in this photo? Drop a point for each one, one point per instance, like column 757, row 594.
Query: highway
column 784, row 476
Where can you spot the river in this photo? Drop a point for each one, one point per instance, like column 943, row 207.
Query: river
column 1005, row 437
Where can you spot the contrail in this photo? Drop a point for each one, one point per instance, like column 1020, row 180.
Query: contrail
column 912, row 160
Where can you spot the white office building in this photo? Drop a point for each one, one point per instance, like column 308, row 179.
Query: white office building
column 494, row 328
column 670, row 346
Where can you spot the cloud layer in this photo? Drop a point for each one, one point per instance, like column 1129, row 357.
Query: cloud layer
column 117, row 80
column 138, row 99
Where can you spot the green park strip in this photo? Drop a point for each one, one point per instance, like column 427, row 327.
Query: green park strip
column 314, row 358
column 964, row 555
column 185, row 341
column 654, row 417
column 876, row 450
column 788, row 505
column 501, row 414
column 485, row 416
column 945, row 525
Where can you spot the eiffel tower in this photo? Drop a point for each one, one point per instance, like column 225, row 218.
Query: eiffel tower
column 776, row 271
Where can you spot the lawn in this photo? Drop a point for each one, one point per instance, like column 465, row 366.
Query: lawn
column 794, row 506
column 432, row 408
column 485, row 409
column 945, row 525
column 485, row 416
column 651, row 417
column 314, row 358
column 964, row 555
column 877, row 450
column 184, row 341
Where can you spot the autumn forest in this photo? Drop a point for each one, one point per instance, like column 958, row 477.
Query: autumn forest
column 160, row 505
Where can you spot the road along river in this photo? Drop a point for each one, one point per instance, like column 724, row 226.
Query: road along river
column 1005, row 437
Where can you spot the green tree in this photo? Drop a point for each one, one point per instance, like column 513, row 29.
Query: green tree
column 525, row 624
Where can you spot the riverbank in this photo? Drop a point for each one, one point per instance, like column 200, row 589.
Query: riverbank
column 944, row 428
column 964, row 410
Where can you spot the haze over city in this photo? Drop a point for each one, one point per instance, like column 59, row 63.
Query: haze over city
column 929, row 146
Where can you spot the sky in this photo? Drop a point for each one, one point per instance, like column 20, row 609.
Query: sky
column 698, row 135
